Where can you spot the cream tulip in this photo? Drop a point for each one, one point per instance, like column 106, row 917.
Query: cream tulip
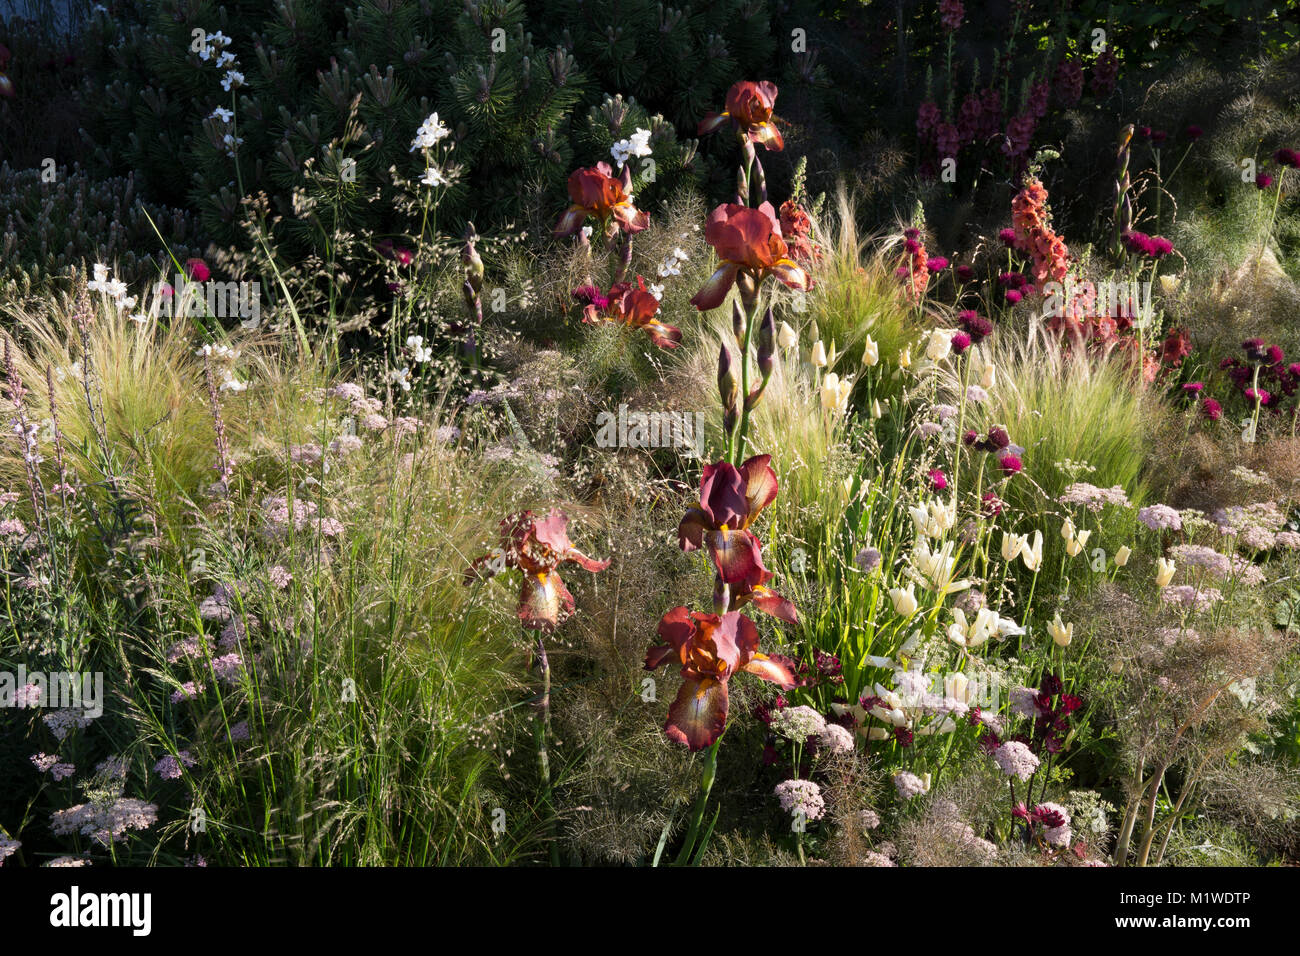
column 904, row 601
column 787, row 338
column 870, row 352
column 905, row 357
column 1032, row 554
column 1068, row 530
column 989, row 377
column 1164, row 572
column 1122, row 555
column 1012, row 545
column 1061, row 633
column 818, row 357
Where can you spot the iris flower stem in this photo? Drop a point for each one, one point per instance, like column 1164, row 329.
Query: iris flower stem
column 541, row 730
column 742, row 429
column 697, row 813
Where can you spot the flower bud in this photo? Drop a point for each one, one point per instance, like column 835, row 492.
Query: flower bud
column 728, row 386
column 767, row 343
column 905, row 357
column 737, row 320
column 470, row 258
column 818, row 357
column 787, row 338
column 1122, row 555
column 904, row 601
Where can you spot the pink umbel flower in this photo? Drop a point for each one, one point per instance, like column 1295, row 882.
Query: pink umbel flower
column 1016, row 760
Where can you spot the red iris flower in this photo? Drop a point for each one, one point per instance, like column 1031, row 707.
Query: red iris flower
column 631, row 305
column 750, row 240
column 749, row 109
column 595, row 191
column 730, row 499
column 710, row 650
column 537, row 547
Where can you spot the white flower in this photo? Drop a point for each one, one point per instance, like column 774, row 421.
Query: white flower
column 1013, row 545
column 1032, row 554
column 433, row 177
column 139, row 318
column 971, row 634
column 818, row 356
column 787, row 337
column 657, row 290
column 231, row 384
column 587, row 231
column 223, row 114
column 1164, row 572
column 232, row 80
column 637, row 145
column 870, row 352
column 988, row 376
column 1061, row 633
column 430, row 131
column 225, row 60
column 219, row 39
column 420, row 353
column 1122, row 555
column 835, row 393
column 939, row 344
column 904, row 601
column 401, row 377
column 100, row 282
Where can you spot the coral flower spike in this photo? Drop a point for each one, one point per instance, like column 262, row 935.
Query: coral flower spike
column 710, row 650
column 749, row 110
column 750, row 240
column 595, row 191
column 537, row 547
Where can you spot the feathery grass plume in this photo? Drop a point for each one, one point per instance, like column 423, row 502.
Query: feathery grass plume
column 1070, row 406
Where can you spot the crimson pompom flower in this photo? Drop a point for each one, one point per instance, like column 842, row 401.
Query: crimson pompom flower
column 1160, row 247
column 1008, row 236
column 1010, row 464
column 537, row 547
column 197, row 270
column 938, row 480
column 935, row 263
column 1047, row 816
column 1287, row 157
column 1013, row 296
column 1261, row 395
column 1158, row 136
column 730, row 499
column 630, row 305
column 1193, row 133
column 1256, row 351
column 1263, row 181
column 1211, row 409
column 1070, row 703
column 1052, row 685
column 711, row 649
column 1193, row 388
column 595, row 191
column 746, row 240
column 903, row 736
column 1144, row 132
column 960, row 342
column 992, row 504
column 965, row 273
column 749, row 110
column 975, row 325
